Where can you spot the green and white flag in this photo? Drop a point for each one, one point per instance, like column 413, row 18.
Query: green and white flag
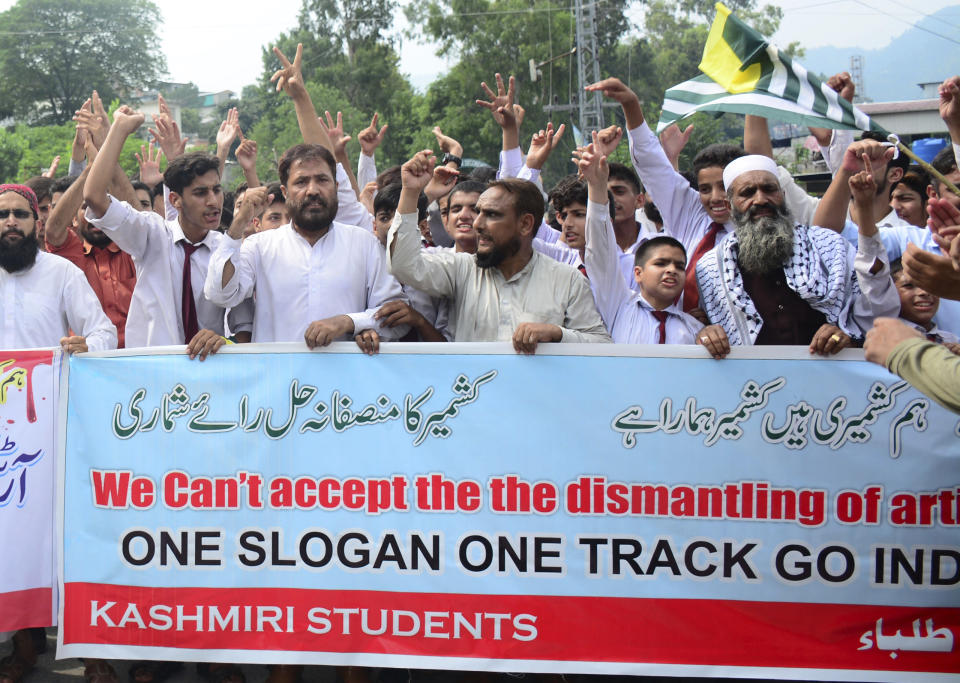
column 744, row 73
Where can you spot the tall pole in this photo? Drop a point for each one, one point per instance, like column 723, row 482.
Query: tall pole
column 588, row 66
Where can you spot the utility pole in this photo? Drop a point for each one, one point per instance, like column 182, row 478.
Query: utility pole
column 588, row 106
column 856, row 74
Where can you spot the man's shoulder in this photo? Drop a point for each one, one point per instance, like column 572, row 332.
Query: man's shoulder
column 545, row 266
column 353, row 233
column 53, row 264
column 819, row 235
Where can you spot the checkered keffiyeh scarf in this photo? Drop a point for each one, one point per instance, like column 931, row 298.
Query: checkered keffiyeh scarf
column 820, row 271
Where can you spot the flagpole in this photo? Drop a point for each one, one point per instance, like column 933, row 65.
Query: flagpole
column 923, row 164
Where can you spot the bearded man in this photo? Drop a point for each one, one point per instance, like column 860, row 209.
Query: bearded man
column 774, row 282
column 315, row 279
column 44, row 296
column 506, row 291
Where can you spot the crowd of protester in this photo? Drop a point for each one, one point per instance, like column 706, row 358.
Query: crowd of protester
column 733, row 253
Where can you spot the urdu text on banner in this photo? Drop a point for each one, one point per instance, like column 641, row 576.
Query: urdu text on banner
column 481, row 510
column 29, row 393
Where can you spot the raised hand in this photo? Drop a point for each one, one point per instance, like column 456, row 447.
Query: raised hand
column 613, row 88
column 229, row 129
column 542, row 144
column 843, row 84
column 254, row 201
column 366, row 196
column 93, row 121
column 335, row 132
column 673, row 140
column 863, row 185
column 78, row 148
column 289, row 77
column 247, row 154
column 54, row 165
column 605, row 142
column 593, row 166
column 370, row 138
column 149, row 165
column 876, row 152
column 443, row 180
column 950, row 106
column 447, row 144
column 416, row 173
column 101, row 124
column 167, row 136
column 127, row 120
column 500, row 104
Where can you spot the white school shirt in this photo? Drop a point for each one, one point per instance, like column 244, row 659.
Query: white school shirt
column 296, row 283
column 366, row 170
column 155, row 307
column 684, row 217
column 484, row 306
column 43, row 303
column 625, row 312
column 895, row 239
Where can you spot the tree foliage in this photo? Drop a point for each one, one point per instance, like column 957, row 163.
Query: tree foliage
column 53, row 53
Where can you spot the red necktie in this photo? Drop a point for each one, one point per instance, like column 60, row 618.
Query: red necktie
column 583, row 269
column 691, row 296
column 188, row 307
column 936, row 338
column 662, row 317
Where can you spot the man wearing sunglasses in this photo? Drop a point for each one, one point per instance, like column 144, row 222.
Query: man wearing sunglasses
column 46, row 300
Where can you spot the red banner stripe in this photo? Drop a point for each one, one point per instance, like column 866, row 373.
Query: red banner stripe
column 670, row 631
column 26, row 608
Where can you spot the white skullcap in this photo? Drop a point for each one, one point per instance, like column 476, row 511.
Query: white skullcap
column 751, row 162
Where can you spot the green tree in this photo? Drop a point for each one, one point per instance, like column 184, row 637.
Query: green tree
column 503, row 36
column 11, row 150
column 350, row 66
column 53, row 53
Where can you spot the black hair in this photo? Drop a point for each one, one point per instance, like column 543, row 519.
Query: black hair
column 468, row 186
column 917, row 180
column 896, row 266
column 570, row 190
column 651, row 211
column 388, row 176
column 185, row 168
column 62, row 184
column 305, row 152
column 944, row 163
column 277, row 191
column 644, row 249
column 388, row 199
column 41, row 186
column 624, row 172
column 718, row 154
column 527, row 198
column 138, row 185
column 483, row 174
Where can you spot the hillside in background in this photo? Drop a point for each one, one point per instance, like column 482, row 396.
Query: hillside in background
column 893, row 72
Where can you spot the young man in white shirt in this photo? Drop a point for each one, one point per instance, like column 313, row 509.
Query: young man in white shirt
column 171, row 257
column 43, row 297
column 315, row 279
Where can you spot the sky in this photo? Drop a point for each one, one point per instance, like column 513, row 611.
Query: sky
column 217, row 43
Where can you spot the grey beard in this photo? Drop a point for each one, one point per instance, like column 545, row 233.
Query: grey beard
column 765, row 243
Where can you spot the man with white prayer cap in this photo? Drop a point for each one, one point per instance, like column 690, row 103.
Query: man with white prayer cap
column 774, row 282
